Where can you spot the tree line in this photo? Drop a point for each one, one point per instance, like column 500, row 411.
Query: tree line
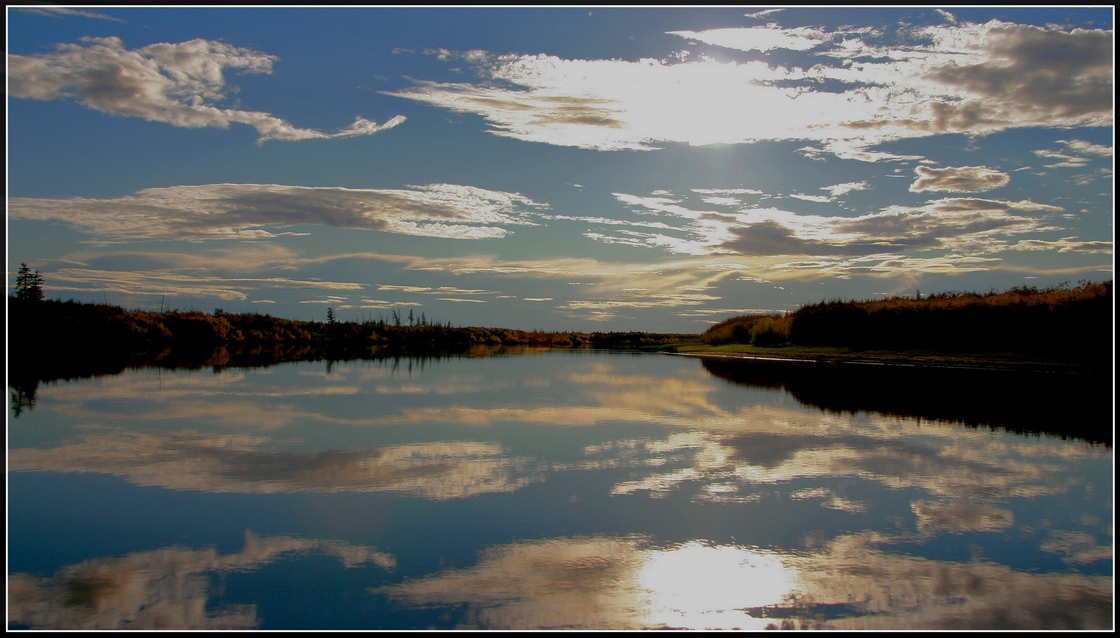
column 50, row 339
column 1073, row 321
column 52, row 323
column 1067, row 319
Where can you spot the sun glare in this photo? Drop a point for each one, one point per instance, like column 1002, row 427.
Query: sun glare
column 700, row 586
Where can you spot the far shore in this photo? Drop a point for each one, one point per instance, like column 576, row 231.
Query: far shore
column 904, row 358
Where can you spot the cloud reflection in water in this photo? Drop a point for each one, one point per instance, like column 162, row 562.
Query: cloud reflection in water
column 228, row 463
column 847, row 502
column 627, row 583
column 168, row 588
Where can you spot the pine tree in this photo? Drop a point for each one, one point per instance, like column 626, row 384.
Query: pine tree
column 29, row 284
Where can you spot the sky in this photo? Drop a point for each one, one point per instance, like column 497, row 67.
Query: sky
column 570, row 168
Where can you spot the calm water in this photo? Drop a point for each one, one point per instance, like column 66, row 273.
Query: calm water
column 550, row 490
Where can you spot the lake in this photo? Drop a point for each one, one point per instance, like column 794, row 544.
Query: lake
column 563, row 489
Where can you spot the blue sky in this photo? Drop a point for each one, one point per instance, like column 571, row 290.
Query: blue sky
column 655, row 169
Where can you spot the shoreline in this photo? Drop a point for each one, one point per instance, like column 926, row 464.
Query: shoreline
column 916, row 360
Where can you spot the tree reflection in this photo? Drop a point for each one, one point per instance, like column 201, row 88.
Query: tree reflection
column 1034, row 402
column 21, row 396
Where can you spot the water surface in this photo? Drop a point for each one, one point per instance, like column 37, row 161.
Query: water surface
column 584, row 490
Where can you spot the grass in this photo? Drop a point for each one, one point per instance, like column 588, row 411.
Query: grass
column 898, row 357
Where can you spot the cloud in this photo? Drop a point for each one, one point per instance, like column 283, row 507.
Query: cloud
column 727, row 191
column 1065, row 245
column 820, row 248
column 233, row 273
column 709, row 449
column 769, row 238
column 961, row 517
column 62, row 12
column 946, row 15
column 1075, row 154
column 248, row 211
column 180, row 283
column 1078, row 548
column 746, row 446
column 1063, row 160
column 968, row 224
column 165, row 587
column 758, row 15
column 240, row 464
column 575, row 583
column 853, row 582
column 1087, row 148
column 1032, row 73
column 960, row 78
column 759, row 38
column 590, row 289
column 812, row 198
column 963, row 179
column 177, row 84
column 642, row 300
column 853, row 150
column 427, row 290
column 837, row 190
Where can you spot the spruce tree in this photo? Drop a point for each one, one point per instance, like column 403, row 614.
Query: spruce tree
column 29, row 284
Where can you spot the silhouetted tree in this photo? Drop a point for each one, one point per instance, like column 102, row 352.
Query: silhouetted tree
column 22, row 397
column 29, row 284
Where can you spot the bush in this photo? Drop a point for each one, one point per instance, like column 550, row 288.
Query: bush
column 759, row 330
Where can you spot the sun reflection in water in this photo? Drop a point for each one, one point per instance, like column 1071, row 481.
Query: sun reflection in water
column 700, row 586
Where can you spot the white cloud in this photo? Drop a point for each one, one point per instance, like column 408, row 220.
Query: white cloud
column 961, row 179
column 812, row 198
column 247, row 211
column 427, row 290
column 534, row 583
column 966, row 78
column 759, row 38
column 437, row 470
column 182, row 282
column 62, row 12
column 1074, row 154
column 1087, row 148
column 970, row 225
column 1065, row 245
column 758, row 15
column 722, row 201
column 602, row 282
column 727, row 191
column 659, row 204
column 153, row 589
column 1063, row 160
column 837, row 190
column 853, row 150
column 945, row 14
column 177, row 84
